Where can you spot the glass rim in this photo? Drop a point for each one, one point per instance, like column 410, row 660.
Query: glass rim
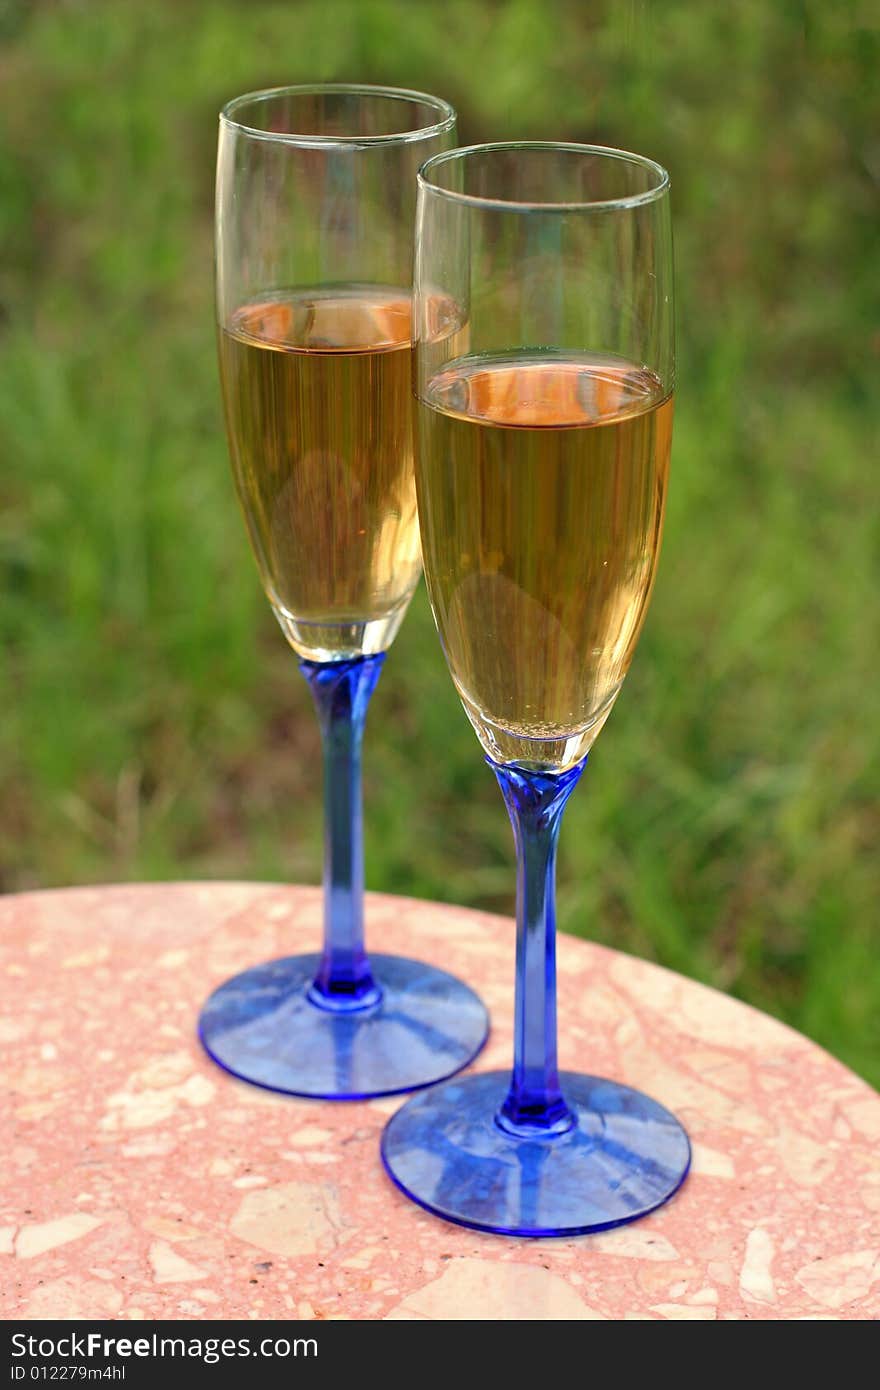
column 631, row 200
column 445, row 112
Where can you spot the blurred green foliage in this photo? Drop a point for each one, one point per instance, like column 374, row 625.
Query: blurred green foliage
column 154, row 724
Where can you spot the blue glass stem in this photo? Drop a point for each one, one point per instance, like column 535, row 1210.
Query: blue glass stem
column 341, row 691
column 535, row 1105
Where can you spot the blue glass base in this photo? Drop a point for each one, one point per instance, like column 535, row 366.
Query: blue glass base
column 623, row 1156
column 263, row 1027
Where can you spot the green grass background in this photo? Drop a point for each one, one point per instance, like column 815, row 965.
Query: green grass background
column 153, row 722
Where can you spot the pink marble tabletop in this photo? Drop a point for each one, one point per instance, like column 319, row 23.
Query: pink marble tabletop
column 139, row 1181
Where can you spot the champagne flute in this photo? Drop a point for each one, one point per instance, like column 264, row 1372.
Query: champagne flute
column 314, row 237
column 543, row 438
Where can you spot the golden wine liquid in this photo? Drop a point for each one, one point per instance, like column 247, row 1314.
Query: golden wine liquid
column 317, row 392
column 541, row 485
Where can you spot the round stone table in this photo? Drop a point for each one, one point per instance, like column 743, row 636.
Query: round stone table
column 139, row 1181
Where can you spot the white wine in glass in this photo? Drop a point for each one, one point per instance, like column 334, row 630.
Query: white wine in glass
column 318, row 399
column 543, row 481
